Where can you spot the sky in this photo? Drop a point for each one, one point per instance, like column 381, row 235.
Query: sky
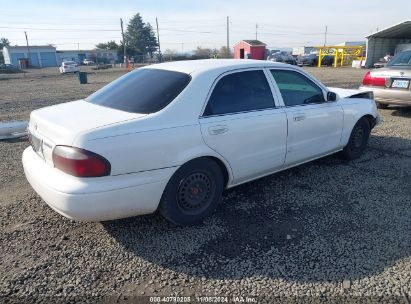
column 186, row 24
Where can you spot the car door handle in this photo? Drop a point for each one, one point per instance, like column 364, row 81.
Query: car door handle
column 299, row 117
column 216, row 130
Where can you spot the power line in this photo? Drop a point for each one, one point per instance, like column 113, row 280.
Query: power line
column 58, row 29
column 185, row 31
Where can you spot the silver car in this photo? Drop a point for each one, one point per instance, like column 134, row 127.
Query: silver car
column 391, row 84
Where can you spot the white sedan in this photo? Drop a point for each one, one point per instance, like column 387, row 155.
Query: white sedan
column 173, row 136
column 88, row 62
column 69, row 67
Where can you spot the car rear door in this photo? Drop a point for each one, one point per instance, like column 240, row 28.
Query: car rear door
column 314, row 125
column 243, row 123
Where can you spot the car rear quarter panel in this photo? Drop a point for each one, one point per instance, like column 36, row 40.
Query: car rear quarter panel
column 354, row 110
column 152, row 149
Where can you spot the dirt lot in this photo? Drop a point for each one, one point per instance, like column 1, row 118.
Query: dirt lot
column 325, row 231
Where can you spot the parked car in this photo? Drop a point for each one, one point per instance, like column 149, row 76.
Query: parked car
column 283, row 57
column 312, row 60
column 69, row 67
column 8, row 68
column 382, row 62
column 206, row 125
column 102, row 66
column 391, row 84
column 88, row 62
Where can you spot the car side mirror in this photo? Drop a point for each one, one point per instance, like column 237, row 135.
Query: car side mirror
column 331, row 96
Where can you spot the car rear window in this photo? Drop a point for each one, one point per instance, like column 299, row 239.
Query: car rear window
column 403, row 58
column 141, row 91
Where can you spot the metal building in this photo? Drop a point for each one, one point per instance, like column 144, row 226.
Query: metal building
column 38, row 56
column 387, row 41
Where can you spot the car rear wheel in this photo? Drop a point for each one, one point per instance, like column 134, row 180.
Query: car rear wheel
column 382, row 105
column 193, row 192
column 358, row 140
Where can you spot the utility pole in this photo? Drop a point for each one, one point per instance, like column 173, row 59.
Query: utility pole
column 78, row 46
column 158, row 40
column 228, row 37
column 256, row 31
column 124, row 43
column 182, row 48
column 325, row 35
column 28, row 49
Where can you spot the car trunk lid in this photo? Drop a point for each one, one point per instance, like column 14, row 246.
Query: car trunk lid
column 389, row 72
column 61, row 124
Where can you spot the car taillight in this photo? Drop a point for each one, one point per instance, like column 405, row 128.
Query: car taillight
column 369, row 80
column 79, row 162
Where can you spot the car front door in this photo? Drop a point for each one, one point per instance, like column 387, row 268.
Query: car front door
column 242, row 123
column 314, row 124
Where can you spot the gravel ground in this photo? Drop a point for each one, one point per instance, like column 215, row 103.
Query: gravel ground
column 326, row 231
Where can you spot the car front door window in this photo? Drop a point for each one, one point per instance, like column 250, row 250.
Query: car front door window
column 296, row 89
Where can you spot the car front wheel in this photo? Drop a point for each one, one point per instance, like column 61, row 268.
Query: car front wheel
column 193, row 192
column 358, row 140
column 382, row 105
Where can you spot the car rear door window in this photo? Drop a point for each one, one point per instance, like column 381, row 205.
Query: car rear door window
column 141, row 91
column 401, row 59
column 296, row 89
column 240, row 92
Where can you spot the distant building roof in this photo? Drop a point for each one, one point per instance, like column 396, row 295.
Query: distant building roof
column 254, row 42
column 400, row 30
column 11, row 47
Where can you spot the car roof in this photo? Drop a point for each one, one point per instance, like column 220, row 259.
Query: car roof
column 204, row 65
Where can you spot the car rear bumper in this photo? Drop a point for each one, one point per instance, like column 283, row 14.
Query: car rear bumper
column 96, row 199
column 389, row 96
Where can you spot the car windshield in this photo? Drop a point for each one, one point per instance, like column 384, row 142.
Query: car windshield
column 141, row 91
column 401, row 59
column 69, row 62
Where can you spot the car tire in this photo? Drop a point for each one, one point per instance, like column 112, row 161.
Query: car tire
column 382, row 105
column 193, row 192
column 358, row 140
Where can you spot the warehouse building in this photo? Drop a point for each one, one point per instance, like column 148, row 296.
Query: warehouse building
column 38, row 56
column 102, row 56
column 48, row 56
column 388, row 41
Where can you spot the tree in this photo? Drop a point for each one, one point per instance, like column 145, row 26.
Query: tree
column 202, row 53
column 169, row 54
column 110, row 45
column 150, row 40
column 140, row 37
column 225, row 53
column 3, row 42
